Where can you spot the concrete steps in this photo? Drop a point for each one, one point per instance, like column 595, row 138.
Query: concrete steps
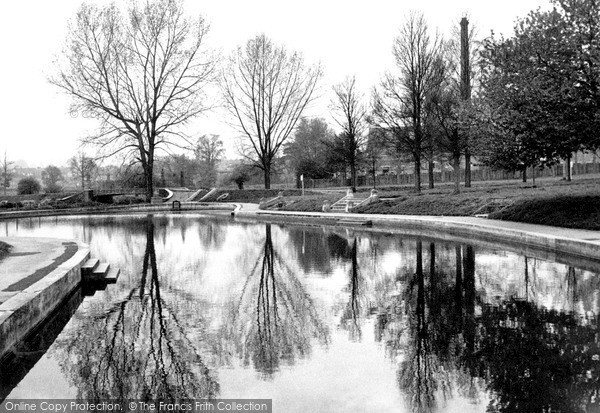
column 88, row 267
column 342, row 204
column 99, row 272
column 112, row 276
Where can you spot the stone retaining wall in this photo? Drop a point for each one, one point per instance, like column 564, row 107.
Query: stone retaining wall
column 21, row 313
column 429, row 226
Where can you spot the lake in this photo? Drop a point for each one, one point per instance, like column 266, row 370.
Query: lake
column 317, row 318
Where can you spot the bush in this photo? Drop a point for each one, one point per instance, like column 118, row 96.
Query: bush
column 53, row 188
column 28, row 186
column 128, row 200
column 9, row 204
column 240, row 174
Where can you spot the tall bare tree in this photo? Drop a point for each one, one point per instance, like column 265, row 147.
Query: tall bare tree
column 350, row 114
column 82, row 167
column 140, row 72
column 209, row 151
column 399, row 101
column 51, row 175
column 266, row 89
column 6, row 172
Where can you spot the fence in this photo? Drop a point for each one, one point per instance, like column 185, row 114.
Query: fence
column 478, row 174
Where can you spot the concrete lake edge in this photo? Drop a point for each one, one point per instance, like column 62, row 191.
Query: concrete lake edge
column 580, row 243
column 23, row 312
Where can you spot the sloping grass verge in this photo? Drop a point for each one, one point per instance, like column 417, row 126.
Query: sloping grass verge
column 312, row 204
column 426, row 205
column 252, row 195
column 581, row 212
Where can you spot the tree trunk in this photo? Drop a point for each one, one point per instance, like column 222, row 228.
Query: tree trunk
column 374, row 173
column 456, row 167
column 467, row 169
column 418, row 174
column 267, row 171
column 353, row 175
column 533, row 175
column 430, row 177
column 524, row 174
column 568, row 168
column 149, row 181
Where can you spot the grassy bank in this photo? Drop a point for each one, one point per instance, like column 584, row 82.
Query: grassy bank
column 554, row 202
column 253, row 195
column 581, row 212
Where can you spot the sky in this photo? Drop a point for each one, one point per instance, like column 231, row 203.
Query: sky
column 346, row 37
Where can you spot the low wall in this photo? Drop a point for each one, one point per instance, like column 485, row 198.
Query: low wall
column 474, row 228
column 21, row 313
column 166, row 207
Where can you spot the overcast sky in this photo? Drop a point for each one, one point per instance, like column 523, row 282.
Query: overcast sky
column 347, row 37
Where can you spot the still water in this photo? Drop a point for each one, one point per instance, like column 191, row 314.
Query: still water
column 319, row 319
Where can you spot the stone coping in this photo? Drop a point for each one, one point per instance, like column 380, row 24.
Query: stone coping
column 581, row 243
column 141, row 208
column 25, row 310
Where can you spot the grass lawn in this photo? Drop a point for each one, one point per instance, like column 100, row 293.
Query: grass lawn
column 254, row 195
column 551, row 201
column 569, row 211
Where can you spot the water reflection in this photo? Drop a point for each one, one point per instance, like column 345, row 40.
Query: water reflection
column 274, row 321
column 17, row 363
column 350, row 319
column 137, row 349
column 209, row 308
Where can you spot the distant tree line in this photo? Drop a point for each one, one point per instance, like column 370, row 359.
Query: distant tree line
column 528, row 100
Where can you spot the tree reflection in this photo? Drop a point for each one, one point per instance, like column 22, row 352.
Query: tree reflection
column 352, row 312
column 416, row 371
column 536, row 360
column 138, row 349
column 427, row 324
column 274, row 321
column 212, row 234
column 449, row 341
column 312, row 250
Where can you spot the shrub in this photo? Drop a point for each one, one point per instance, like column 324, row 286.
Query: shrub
column 127, row 200
column 28, row 186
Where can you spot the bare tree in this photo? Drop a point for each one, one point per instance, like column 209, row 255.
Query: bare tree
column 141, row 73
column 209, row 151
column 350, row 114
column 82, row 167
column 6, row 171
column 51, row 175
column 266, row 89
column 399, row 102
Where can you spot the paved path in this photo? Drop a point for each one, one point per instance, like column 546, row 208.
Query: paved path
column 30, row 260
column 592, row 236
column 582, row 243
